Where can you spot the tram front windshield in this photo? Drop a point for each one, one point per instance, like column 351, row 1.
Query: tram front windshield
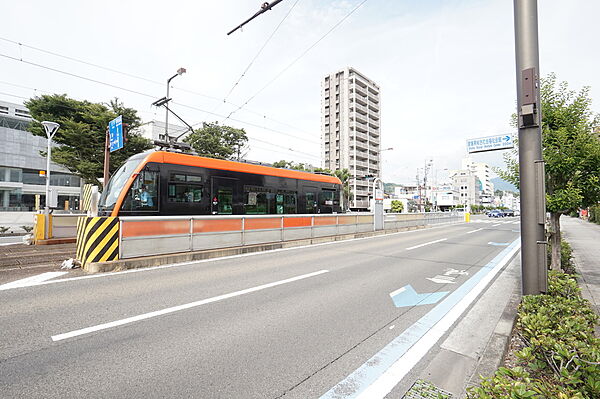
column 111, row 193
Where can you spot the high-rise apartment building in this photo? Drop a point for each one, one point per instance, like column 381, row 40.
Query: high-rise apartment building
column 350, row 130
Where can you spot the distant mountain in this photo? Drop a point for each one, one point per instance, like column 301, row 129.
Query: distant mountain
column 503, row 185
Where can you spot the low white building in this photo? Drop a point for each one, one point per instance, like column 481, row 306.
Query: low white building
column 155, row 130
column 446, row 197
column 511, row 201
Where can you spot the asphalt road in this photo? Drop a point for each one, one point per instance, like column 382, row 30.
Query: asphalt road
column 287, row 323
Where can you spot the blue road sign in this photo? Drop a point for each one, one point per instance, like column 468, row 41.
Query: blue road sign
column 115, row 133
column 407, row 296
column 491, row 143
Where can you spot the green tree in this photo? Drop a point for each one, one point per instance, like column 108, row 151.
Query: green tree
column 217, row 141
column 293, row 165
column 571, row 151
column 344, row 176
column 397, row 206
column 82, row 133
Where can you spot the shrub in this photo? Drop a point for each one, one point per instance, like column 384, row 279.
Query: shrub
column 397, row 206
column 594, row 214
column 561, row 358
column 3, row 229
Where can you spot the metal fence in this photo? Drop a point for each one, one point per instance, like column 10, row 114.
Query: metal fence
column 145, row 236
column 159, row 235
column 407, row 220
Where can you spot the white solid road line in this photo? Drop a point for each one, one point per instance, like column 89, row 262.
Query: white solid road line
column 31, row 280
column 173, row 309
column 168, row 266
column 494, row 225
column 427, row 243
column 473, row 231
column 381, row 387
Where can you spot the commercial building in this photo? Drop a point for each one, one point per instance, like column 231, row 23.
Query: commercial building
column 350, row 126
column 482, row 171
column 468, row 187
column 21, row 162
column 446, row 197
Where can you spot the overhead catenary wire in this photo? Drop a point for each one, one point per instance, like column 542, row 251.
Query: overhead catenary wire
column 145, row 79
column 296, row 59
column 143, row 94
column 259, row 51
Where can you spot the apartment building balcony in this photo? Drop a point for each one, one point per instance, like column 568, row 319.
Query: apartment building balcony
column 362, row 193
column 359, row 108
column 359, row 135
column 360, row 100
column 373, row 99
column 359, row 117
column 373, row 105
column 360, row 83
column 373, row 124
column 359, row 164
column 374, row 115
column 361, row 127
column 373, row 91
column 360, row 146
column 359, row 90
column 374, row 133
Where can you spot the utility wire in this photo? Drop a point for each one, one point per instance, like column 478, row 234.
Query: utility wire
column 143, row 94
column 213, row 98
column 244, row 122
column 259, row 52
column 139, row 93
column 13, row 95
column 297, row 59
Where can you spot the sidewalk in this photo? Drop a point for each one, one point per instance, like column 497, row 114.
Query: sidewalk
column 584, row 238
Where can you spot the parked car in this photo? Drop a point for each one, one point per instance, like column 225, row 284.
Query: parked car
column 509, row 212
column 496, row 214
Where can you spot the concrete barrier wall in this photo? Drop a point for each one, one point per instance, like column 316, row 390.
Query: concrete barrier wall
column 64, row 226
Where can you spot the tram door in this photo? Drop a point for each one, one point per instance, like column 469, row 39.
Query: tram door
column 223, row 194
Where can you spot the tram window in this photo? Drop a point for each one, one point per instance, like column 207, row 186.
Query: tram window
column 327, row 197
column 143, row 193
column 285, row 202
column 225, row 200
column 279, row 203
column 255, row 203
column 289, row 203
column 184, row 192
column 311, row 203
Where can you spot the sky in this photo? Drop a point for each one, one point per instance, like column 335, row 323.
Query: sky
column 446, row 69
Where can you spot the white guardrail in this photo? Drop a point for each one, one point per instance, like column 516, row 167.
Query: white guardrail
column 158, row 235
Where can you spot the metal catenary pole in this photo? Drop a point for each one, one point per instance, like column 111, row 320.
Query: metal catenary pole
column 531, row 166
column 106, row 160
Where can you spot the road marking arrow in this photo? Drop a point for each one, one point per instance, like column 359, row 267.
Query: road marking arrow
column 441, row 279
column 407, row 296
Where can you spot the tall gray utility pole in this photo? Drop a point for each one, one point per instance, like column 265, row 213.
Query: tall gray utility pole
column 531, row 165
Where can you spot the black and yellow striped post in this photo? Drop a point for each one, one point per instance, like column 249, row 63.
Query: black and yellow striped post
column 86, row 197
column 97, row 239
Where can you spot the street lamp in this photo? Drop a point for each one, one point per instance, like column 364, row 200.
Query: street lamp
column 51, row 128
column 180, row 72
